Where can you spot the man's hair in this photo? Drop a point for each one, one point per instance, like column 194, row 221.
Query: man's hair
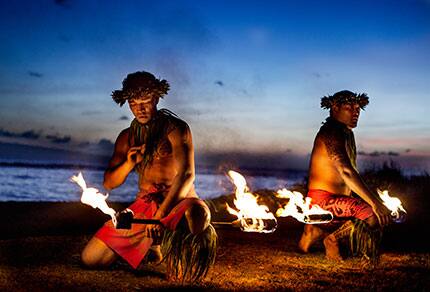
column 140, row 83
column 344, row 96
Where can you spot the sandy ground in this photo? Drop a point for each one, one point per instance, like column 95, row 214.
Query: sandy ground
column 41, row 243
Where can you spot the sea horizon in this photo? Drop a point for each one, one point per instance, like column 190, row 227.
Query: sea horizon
column 24, row 180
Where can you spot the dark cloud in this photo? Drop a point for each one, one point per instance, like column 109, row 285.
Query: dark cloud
column 90, row 113
column 245, row 92
column 123, row 118
column 254, row 160
column 84, row 144
column 62, row 3
column 408, row 150
column 102, row 147
column 56, row 139
column 320, row 75
column 30, row 134
column 105, row 143
column 378, row 153
column 35, row 74
column 219, row 83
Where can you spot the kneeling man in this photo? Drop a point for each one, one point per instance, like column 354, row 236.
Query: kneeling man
column 158, row 145
column 333, row 177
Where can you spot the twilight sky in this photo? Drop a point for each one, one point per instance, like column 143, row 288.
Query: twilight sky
column 246, row 75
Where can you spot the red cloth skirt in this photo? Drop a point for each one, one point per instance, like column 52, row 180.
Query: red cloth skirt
column 131, row 244
column 341, row 206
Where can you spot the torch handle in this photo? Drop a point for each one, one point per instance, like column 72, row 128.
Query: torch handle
column 222, row 223
column 146, row 221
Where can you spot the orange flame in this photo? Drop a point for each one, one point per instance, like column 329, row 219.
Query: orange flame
column 93, row 198
column 392, row 203
column 250, row 214
column 301, row 209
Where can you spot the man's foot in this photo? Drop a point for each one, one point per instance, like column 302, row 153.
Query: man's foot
column 310, row 235
column 154, row 255
column 332, row 248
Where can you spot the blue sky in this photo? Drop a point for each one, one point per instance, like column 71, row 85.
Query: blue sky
column 246, row 75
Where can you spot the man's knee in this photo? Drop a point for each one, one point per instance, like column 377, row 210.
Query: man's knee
column 372, row 221
column 198, row 218
column 88, row 259
column 97, row 254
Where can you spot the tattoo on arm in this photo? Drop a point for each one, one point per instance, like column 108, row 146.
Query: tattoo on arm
column 335, row 143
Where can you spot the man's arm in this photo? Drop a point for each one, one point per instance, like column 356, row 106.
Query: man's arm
column 335, row 143
column 123, row 161
column 183, row 153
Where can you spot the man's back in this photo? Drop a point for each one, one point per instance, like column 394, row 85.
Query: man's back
column 323, row 174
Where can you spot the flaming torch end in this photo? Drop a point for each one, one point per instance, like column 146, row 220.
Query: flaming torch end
column 124, row 219
column 399, row 217
column 398, row 213
column 318, row 218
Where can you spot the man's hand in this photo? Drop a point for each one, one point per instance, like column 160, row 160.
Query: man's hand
column 135, row 154
column 382, row 213
column 154, row 231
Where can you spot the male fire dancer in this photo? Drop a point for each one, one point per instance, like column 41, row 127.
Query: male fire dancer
column 158, row 145
column 333, row 176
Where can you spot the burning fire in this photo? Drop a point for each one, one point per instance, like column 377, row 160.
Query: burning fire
column 393, row 204
column 92, row 197
column 301, row 209
column 252, row 216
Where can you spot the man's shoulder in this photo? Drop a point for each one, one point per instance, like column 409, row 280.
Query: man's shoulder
column 332, row 128
column 123, row 135
column 330, row 132
column 124, row 132
column 175, row 123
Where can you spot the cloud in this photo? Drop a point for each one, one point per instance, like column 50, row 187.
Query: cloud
column 105, row 143
column 35, row 74
column 219, row 83
column 378, row 153
column 90, row 113
column 124, row 118
column 254, row 160
column 62, row 3
column 84, row 144
column 56, row 139
column 320, row 75
column 102, row 147
column 29, row 134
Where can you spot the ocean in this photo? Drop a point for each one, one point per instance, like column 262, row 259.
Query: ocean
column 29, row 183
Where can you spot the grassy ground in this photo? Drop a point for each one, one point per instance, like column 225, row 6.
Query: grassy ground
column 41, row 242
column 245, row 261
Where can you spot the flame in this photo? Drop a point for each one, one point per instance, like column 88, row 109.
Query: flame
column 92, row 197
column 250, row 213
column 392, row 203
column 301, row 209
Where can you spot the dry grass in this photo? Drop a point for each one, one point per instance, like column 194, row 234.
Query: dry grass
column 245, row 261
column 41, row 243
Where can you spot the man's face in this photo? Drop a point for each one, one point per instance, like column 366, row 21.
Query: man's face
column 347, row 113
column 143, row 108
